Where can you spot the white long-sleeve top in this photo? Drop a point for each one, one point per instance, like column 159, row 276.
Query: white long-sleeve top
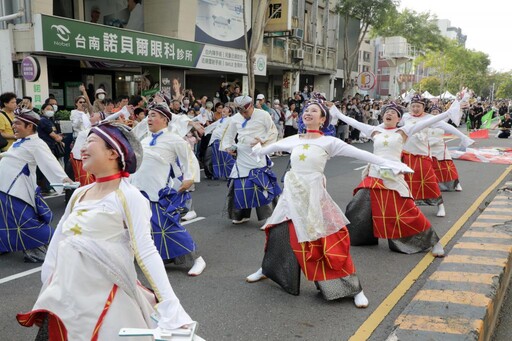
column 260, row 125
column 179, row 125
column 32, row 152
column 153, row 174
column 122, row 218
column 79, row 121
column 220, row 129
column 304, row 199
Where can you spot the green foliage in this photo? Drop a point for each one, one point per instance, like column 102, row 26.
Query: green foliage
column 431, row 84
column 420, row 29
column 456, row 67
column 504, row 87
column 62, row 115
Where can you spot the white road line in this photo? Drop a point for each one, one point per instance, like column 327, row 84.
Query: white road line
column 32, row 271
column 19, row 275
column 192, row 221
column 360, row 168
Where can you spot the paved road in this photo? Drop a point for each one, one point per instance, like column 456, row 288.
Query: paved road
column 227, row 308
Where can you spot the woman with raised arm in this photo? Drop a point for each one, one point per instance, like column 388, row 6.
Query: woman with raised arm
column 382, row 206
column 307, row 229
column 90, row 288
column 446, row 172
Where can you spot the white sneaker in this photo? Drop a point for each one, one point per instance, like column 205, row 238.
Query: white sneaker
column 255, row 277
column 458, row 188
column 440, row 211
column 189, row 216
column 438, row 250
column 198, row 267
column 243, row 220
column 360, row 300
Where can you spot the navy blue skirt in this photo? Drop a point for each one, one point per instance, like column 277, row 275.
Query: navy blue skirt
column 222, row 162
column 171, row 239
column 258, row 189
column 23, row 227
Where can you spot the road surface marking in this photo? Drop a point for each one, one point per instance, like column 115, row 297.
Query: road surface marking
column 465, row 277
column 435, row 323
column 19, row 275
column 453, row 296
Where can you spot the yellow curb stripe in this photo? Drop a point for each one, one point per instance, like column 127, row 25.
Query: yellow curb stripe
column 463, row 259
column 453, row 296
column 495, row 217
column 483, row 246
column 504, row 197
column 487, row 234
column 482, row 224
column 366, row 329
column 452, row 325
column 465, row 277
column 497, row 209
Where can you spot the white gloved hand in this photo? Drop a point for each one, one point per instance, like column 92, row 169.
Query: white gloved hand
column 466, row 142
column 397, row 167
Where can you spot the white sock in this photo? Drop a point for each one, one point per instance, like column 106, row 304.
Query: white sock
column 438, row 250
column 440, row 210
column 255, row 277
column 458, row 188
column 198, row 267
column 360, row 300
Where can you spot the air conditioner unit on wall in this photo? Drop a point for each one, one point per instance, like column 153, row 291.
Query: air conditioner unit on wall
column 298, row 54
column 298, row 33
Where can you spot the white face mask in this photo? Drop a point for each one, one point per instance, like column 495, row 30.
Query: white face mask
column 186, row 102
column 101, row 97
column 49, row 113
column 55, row 107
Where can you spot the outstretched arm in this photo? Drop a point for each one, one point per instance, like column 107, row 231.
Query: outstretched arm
column 340, row 148
column 367, row 129
column 448, row 128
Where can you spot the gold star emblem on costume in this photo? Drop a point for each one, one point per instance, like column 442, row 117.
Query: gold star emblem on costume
column 80, row 213
column 76, row 229
column 302, row 157
column 386, row 143
column 306, row 146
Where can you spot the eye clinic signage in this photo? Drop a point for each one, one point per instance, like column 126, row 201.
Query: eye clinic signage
column 72, row 37
column 30, row 69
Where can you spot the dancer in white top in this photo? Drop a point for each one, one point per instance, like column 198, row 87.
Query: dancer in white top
column 382, row 206
column 444, row 167
column 154, row 178
column 307, row 229
column 252, row 183
column 25, row 219
column 90, row 258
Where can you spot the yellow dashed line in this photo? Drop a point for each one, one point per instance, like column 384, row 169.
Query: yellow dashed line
column 482, row 224
column 483, row 246
column 475, row 260
column 453, row 296
column 450, row 325
column 497, row 209
column 487, row 234
column 496, row 217
column 466, row 277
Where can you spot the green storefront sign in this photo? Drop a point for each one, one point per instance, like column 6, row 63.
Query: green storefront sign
column 72, row 37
